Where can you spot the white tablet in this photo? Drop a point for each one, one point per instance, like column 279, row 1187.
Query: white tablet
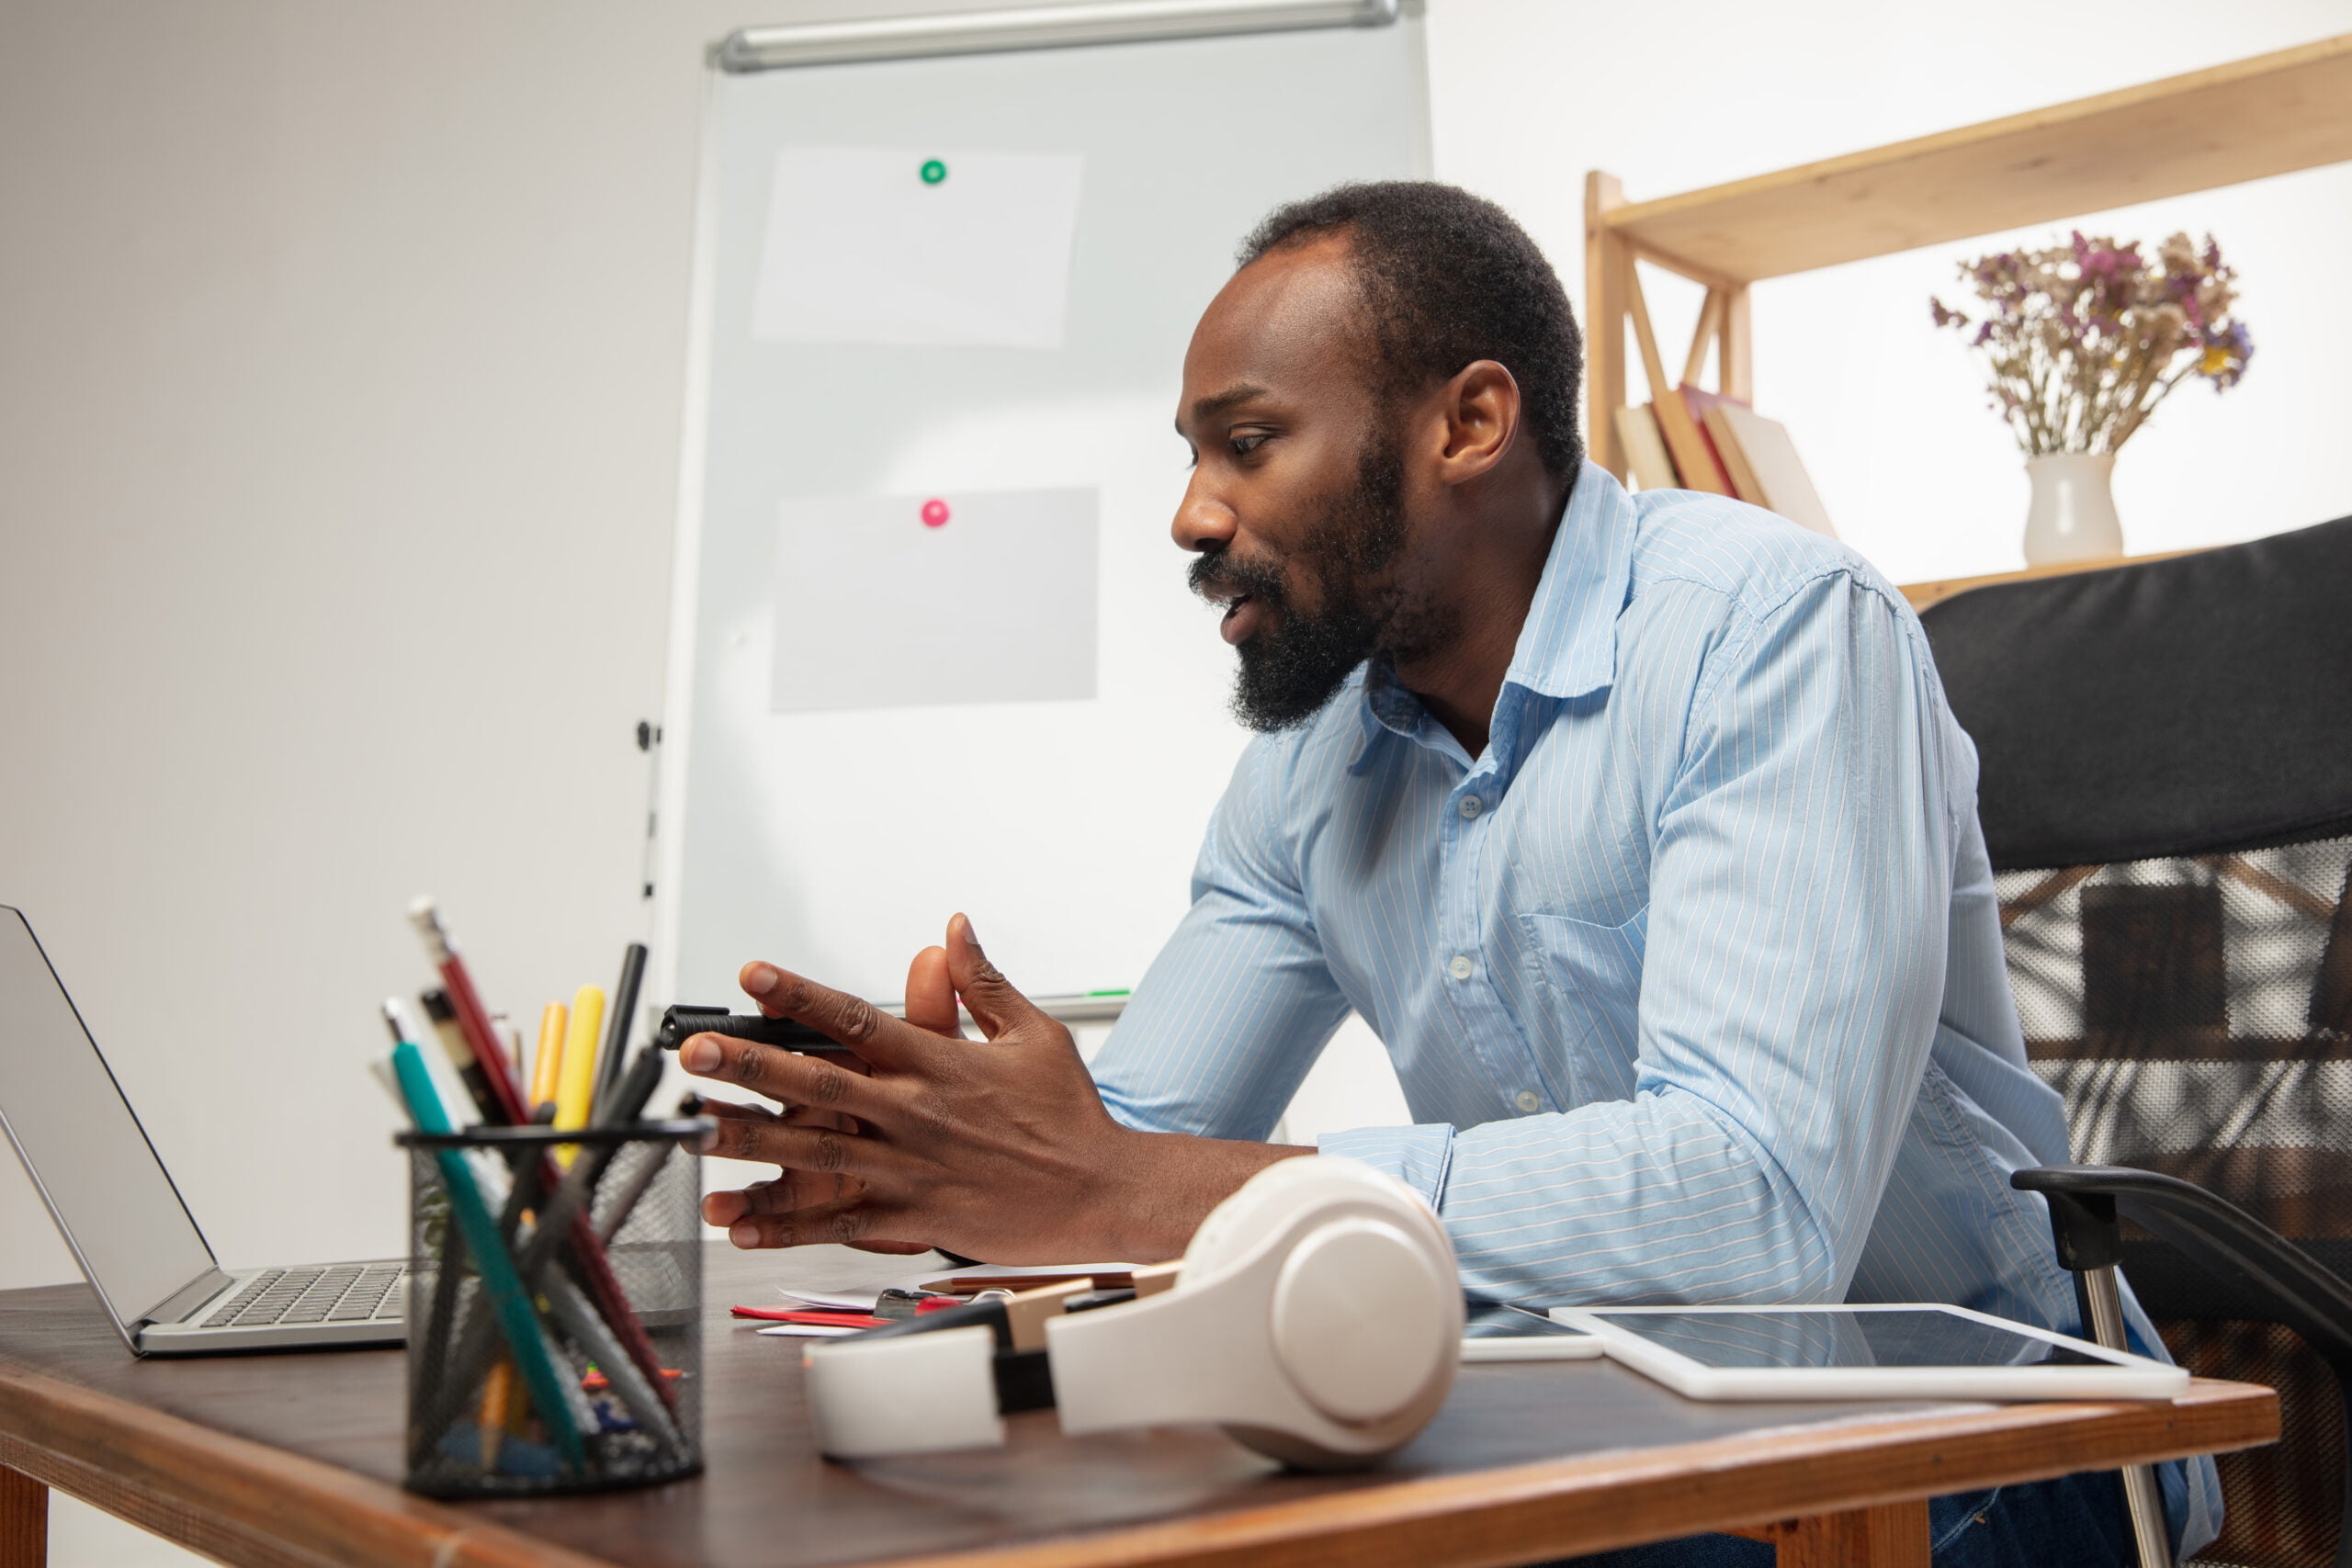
column 1894, row 1351
column 1514, row 1334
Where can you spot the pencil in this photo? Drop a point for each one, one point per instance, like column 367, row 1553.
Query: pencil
column 547, row 1061
column 497, row 1390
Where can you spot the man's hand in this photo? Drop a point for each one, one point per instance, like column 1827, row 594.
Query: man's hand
column 997, row 1148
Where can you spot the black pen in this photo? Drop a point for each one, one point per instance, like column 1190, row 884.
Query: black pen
column 443, row 1015
column 680, row 1024
column 611, row 1063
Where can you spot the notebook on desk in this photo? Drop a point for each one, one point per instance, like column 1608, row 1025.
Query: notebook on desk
column 120, row 1213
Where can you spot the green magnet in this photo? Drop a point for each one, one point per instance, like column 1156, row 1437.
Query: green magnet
column 934, row 171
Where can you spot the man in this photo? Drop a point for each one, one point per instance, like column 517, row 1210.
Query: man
column 1636, row 827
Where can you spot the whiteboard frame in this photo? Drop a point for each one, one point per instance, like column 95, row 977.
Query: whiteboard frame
column 1035, row 27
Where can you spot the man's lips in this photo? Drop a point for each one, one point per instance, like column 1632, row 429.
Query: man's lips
column 1244, row 614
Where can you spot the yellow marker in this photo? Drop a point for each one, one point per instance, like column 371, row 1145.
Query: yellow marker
column 575, row 1088
column 547, row 1062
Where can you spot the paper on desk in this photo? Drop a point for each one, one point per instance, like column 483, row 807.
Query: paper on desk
column 917, row 245
column 842, row 1275
column 962, row 596
column 804, row 1331
column 831, row 1300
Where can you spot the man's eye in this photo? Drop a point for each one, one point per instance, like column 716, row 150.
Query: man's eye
column 1244, row 445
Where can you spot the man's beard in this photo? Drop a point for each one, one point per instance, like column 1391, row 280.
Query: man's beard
column 1295, row 667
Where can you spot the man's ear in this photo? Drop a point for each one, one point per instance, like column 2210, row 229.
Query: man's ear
column 1480, row 408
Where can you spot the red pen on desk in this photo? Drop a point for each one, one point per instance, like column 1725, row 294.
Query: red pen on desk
column 473, row 1019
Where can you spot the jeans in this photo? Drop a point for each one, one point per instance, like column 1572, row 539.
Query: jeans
column 2076, row 1520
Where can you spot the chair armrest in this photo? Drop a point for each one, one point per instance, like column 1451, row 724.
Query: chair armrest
column 2216, row 1235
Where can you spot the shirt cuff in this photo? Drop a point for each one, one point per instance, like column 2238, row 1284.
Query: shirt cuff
column 1417, row 1157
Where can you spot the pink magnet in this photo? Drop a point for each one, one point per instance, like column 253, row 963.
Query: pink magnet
column 935, row 514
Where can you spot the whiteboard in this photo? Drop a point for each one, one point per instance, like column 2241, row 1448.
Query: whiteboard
column 838, row 842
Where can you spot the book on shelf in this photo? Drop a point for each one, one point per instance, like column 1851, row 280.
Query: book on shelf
column 1645, row 456
column 1764, row 467
column 1694, row 459
column 1731, row 449
column 1701, row 402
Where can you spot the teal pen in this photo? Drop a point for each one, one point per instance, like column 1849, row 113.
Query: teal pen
column 507, row 1298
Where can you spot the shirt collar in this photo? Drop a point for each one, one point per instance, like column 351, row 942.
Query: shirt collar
column 1567, row 646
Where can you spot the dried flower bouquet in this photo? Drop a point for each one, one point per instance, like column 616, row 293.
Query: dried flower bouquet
column 2083, row 341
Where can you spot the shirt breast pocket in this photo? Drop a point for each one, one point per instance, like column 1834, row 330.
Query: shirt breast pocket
column 1588, row 996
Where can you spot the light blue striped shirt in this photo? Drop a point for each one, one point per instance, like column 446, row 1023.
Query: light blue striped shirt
column 1693, row 979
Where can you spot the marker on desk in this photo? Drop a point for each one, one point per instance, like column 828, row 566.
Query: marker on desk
column 613, row 1062
column 546, row 1060
column 473, row 1019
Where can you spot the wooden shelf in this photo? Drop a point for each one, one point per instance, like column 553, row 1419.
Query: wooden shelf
column 2270, row 114
column 2248, row 120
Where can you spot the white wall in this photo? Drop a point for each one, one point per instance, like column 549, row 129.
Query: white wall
column 340, row 359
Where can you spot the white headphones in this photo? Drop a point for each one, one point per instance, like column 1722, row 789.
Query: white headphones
column 1316, row 1316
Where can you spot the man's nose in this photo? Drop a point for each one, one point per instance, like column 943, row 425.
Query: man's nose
column 1202, row 520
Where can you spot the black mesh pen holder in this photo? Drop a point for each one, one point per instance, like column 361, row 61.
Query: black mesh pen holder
column 555, row 1309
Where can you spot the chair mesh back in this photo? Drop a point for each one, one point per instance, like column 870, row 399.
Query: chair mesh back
column 2167, row 806
column 2196, row 1015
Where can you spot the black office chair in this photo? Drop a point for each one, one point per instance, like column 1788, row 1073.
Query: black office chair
column 2166, row 795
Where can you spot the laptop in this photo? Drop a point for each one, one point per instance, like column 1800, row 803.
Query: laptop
column 118, row 1211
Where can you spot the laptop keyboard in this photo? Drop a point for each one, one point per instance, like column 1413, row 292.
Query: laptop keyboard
column 347, row 1293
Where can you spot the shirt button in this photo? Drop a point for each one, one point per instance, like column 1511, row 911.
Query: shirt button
column 1471, row 807
column 1525, row 1099
column 1460, row 968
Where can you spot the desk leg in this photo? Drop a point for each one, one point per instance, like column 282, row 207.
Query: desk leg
column 1895, row 1536
column 24, row 1520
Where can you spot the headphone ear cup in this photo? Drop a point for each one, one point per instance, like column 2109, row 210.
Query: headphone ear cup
column 1366, row 1319
column 1265, row 1203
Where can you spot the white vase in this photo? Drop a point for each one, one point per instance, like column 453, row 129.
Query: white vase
column 2073, row 514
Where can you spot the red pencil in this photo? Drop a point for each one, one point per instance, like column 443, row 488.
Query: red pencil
column 473, row 1019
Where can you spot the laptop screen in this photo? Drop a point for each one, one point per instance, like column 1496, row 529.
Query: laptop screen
column 78, row 1138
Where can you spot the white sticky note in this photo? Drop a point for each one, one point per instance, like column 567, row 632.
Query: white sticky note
column 908, row 246
column 958, row 597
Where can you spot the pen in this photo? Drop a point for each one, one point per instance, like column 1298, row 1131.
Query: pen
column 500, row 1279
column 680, row 1024
column 473, row 1019
column 443, row 1019
column 626, row 1104
column 614, row 1060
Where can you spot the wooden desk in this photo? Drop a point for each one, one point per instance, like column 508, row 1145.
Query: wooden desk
column 293, row 1459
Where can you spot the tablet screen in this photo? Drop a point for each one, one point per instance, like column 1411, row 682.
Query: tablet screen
column 1904, row 1337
